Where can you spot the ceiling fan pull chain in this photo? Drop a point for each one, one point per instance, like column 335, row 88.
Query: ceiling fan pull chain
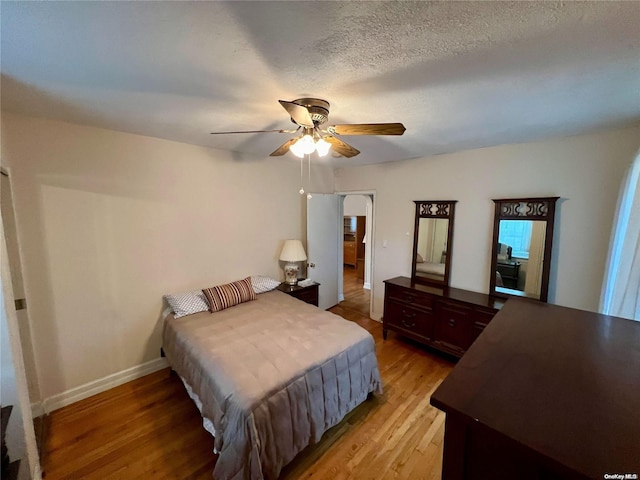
column 301, row 191
column 309, row 169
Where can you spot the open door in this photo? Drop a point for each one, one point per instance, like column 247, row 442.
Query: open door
column 20, row 460
column 17, row 283
column 323, row 237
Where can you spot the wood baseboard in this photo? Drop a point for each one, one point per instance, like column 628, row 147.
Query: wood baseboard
column 97, row 386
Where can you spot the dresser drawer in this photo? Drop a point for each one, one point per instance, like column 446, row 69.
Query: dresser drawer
column 476, row 329
column 483, row 315
column 400, row 316
column 480, row 319
column 454, row 325
column 411, row 297
column 447, row 319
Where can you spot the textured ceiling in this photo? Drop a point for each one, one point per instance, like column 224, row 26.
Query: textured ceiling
column 459, row 75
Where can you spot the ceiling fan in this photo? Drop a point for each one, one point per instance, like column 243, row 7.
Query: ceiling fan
column 310, row 115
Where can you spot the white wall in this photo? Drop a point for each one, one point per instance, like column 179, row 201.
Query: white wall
column 586, row 171
column 355, row 205
column 109, row 221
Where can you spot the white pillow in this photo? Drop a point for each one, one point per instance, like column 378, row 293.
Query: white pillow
column 187, row 303
column 262, row 284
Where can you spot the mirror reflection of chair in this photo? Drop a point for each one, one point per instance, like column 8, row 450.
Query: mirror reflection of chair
column 504, row 252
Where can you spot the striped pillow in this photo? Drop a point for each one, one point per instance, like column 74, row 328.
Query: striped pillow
column 230, row 294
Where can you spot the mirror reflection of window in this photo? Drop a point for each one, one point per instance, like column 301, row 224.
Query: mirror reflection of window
column 533, row 282
column 521, row 269
column 516, row 234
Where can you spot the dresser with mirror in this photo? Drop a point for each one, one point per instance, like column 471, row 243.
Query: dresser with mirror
column 424, row 307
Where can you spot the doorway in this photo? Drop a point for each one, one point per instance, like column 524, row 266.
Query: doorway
column 356, row 262
column 325, row 251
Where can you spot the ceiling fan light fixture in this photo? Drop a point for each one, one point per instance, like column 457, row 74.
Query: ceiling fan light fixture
column 307, row 144
column 303, row 146
column 322, row 147
column 296, row 149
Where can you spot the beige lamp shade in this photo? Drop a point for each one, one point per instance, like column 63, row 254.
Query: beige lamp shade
column 292, row 251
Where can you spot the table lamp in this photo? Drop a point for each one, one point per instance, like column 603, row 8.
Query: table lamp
column 292, row 251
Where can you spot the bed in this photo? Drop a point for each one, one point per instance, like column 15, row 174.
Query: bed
column 430, row 268
column 270, row 376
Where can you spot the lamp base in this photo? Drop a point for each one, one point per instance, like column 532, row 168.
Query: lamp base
column 291, row 273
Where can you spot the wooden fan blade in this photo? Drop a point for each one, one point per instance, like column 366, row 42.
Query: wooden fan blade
column 368, row 129
column 299, row 113
column 282, row 149
column 255, row 131
column 341, row 147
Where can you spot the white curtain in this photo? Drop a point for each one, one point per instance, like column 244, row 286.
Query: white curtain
column 533, row 279
column 621, row 287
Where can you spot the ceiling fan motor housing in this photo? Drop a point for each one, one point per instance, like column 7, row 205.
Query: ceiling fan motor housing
column 318, row 109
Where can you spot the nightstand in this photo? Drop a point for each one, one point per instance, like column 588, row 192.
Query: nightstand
column 509, row 271
column 307, row 294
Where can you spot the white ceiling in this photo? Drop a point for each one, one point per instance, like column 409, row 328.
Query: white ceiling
column 459, row 75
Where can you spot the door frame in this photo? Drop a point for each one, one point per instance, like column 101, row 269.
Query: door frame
column 31, row 459
column 26, row 342
column 370, row 244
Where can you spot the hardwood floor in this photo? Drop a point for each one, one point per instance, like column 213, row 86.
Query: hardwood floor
column 356, row 298
column 149, row 428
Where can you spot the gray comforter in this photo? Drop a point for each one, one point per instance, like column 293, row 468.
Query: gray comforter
column 273, row 375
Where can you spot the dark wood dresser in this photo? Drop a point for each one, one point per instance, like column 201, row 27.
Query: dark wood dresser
column 546, row 392
column 445, row 318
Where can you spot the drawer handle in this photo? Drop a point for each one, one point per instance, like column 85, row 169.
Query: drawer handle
column 409, row 298
column 408, row 325
column 408, row 316
column 452, row 322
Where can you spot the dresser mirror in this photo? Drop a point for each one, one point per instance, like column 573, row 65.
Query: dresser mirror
column 432, row 241
column 522, row 240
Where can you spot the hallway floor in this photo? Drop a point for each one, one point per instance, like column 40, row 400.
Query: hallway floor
column 356, row 298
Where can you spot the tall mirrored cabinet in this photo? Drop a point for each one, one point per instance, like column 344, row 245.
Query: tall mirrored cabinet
column 433, row 241
column 522, row 243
